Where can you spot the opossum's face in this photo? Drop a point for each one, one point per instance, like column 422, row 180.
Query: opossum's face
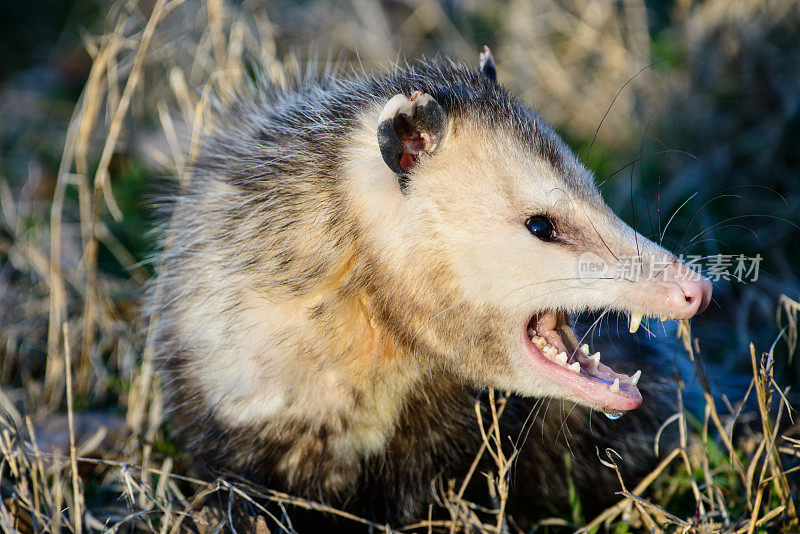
column 518, row 240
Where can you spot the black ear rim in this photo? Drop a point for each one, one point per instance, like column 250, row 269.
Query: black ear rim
column 391, row 146
column 487, row 67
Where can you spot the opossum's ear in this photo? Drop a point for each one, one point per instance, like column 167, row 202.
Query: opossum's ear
column 407, row 128
column 487, row 67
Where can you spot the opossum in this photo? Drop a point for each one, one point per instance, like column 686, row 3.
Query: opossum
column 354, row 261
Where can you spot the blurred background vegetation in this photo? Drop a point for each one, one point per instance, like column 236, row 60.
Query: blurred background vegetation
column 687, row 111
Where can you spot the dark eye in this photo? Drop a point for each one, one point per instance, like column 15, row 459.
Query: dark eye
column 541, row 227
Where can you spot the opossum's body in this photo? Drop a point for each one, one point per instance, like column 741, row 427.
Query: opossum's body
column 347, row 269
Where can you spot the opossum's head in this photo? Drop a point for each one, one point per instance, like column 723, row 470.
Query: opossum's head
column 495, row 234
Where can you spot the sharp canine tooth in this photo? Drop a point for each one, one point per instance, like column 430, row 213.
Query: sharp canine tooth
column 615, row 386
column 562, row 358
column 636, row 319
column 595, row 358
column 575, row 367
column 585, row 349
column 633, row 380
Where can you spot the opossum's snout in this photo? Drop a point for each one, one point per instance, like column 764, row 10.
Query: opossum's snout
column 550, row 346
column 689, row 297
column 676, row 292
column 639, row 279
column 657, row 284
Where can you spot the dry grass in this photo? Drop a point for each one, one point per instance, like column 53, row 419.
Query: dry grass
column 73, row 341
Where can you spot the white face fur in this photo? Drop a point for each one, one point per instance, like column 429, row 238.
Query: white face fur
column 466, row 208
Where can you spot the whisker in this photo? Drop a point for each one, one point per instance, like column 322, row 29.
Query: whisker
column 706, row 203
column 641, row 169
column 594, row 138
column 661, row 240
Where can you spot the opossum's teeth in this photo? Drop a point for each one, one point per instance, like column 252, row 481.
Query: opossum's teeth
column 632, row 380
column 552, row 337
column 615, row 386
column 636, row 320
column 562, row 359
column 587, row 360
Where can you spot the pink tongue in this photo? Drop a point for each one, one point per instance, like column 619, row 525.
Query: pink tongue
column 546, row 327
column 547, row 321
column 603, row 373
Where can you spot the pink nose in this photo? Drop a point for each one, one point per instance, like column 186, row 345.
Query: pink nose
column 688, row 297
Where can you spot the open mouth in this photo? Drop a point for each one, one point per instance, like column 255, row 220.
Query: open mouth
column 551, row 346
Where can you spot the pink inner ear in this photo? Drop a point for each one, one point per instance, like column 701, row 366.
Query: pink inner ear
column 413, row 144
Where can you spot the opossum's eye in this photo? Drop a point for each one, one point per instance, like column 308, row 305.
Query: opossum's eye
column 541, row 227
